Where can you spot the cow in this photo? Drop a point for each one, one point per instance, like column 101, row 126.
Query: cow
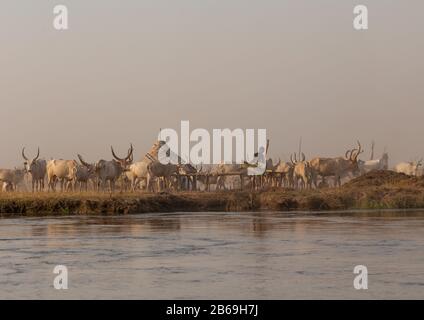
column 11, row 178
column 302, row 172
column 377, row 164
column 83, row 176
column 188, row 180
column 162, row 173
column 209, row 176
column 285, row 172
column 223, row 171
column 111, row 171
column 137, row 172
column 408, row 168
column 37, row 168
column 336, row 167
column 61, row 170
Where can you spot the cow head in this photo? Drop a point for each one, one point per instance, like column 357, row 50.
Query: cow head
column 303, row 165
column 294, row 161
column 30, row 163
column 90, row 167
column 124, row 163
column 352, row 157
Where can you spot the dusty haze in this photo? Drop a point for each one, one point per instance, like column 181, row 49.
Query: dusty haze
column 124, row 69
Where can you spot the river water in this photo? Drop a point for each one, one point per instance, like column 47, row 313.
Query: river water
column 215, row 256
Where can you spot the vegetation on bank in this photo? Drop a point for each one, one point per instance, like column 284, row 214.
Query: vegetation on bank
column 375, row 190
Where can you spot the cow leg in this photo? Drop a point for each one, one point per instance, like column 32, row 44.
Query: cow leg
column 51, row 183
column 133, row 180
column 339, row 181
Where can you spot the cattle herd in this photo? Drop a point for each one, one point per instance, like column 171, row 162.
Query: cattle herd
column 152, row 176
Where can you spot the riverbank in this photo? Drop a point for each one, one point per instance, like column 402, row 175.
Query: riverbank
column 375, row 190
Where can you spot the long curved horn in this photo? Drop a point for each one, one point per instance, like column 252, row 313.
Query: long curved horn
column 114, row 155
column 130, row 157
column 130, row 153
column 23, row 154
column 360, row 150
column 82, row 161
column 346, row 154
column 351, row 154
column 303, row 157
column 295, row 157
column 38, row 154
column 291, row 159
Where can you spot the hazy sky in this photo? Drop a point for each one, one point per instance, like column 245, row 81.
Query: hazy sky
column 124, row 69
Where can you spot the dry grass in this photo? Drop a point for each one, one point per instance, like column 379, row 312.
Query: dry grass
column 376, row 190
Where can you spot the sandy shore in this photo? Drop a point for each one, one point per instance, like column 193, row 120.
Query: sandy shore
column 376, row 190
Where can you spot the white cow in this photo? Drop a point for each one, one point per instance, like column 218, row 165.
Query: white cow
column 60, row 170
column 377, row 164
column 408, row 168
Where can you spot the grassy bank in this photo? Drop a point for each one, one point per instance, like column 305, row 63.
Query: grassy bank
column 376, row 190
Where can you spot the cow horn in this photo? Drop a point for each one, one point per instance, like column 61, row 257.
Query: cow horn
column 130, row 157
column 23, row 154
column 82, row 161
column 351, row 154
column 360, row 150
column 347, row 152
column 114, row 155
column 130, row 153
column 38, row 154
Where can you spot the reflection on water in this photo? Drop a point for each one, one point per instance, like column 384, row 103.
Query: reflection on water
column 215, row 255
